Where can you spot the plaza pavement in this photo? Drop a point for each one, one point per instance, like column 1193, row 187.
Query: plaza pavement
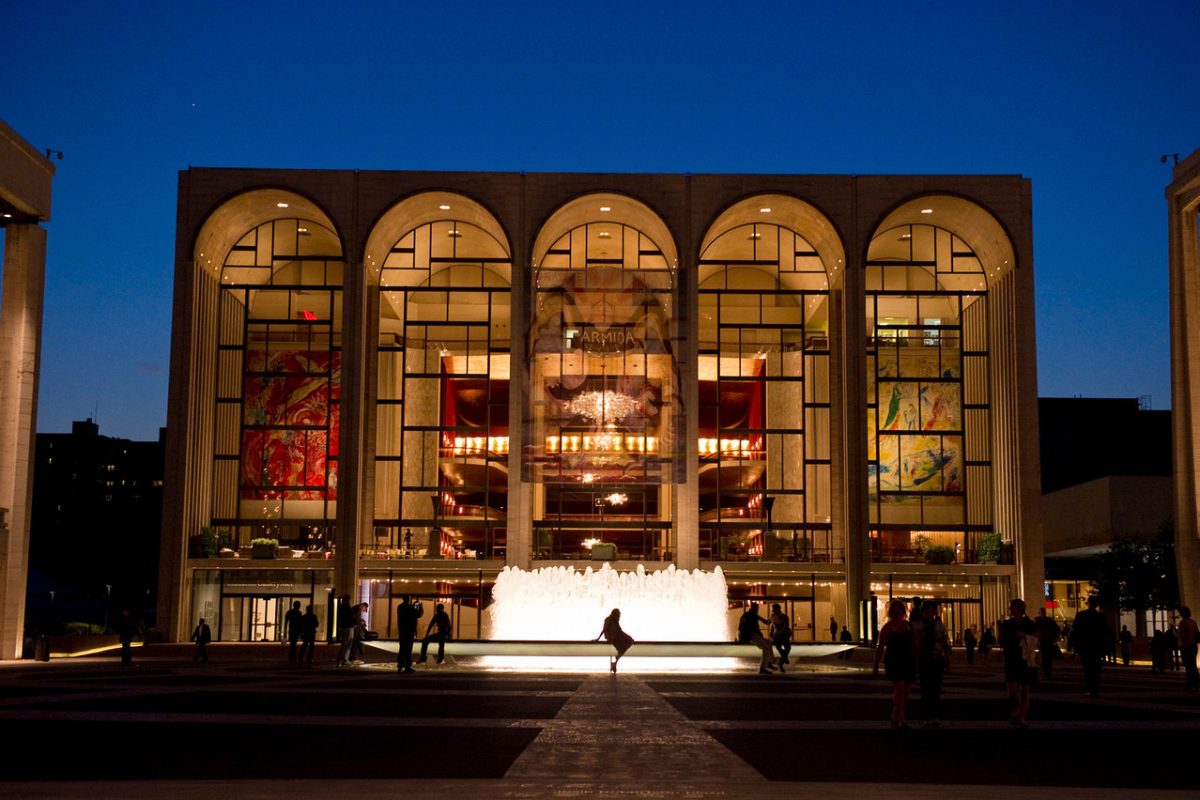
column 248, row 725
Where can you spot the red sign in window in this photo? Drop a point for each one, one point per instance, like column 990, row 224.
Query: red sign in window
column 307, row 315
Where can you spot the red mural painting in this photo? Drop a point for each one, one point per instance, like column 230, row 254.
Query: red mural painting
column 290, row 425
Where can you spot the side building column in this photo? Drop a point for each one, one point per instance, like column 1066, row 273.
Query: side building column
column 20, row 348
column 686, row 480
column 848, row 398
column 352, row 512
column 519, row 516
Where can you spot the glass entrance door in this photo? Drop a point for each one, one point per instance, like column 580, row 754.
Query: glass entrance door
column 264, row 623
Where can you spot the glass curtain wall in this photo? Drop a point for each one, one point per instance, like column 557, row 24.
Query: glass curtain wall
column 442, row 442
column 764, row 472
column 603, row 397
column 278, row 387
column 927, row 397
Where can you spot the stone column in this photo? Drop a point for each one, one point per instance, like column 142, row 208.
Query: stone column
column 352, row 516
column 20, row 345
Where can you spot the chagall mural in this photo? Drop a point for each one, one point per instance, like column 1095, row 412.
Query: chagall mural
column 290, row 425
column 915, row 432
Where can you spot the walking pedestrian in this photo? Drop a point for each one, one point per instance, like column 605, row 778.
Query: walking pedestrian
column 933, row 660
column 749, row 633
column 440, row 621
column 293, row 629
column 780, row 632
column 1187, row 635
column 896, row 650
column 407, row 614
column 201, row 636
column 1088, row 633
column 1019, row 642
column 618, row 638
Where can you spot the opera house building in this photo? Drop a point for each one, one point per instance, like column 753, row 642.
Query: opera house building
column 402, row 382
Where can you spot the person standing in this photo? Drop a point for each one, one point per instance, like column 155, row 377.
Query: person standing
column 896, row 650
column 440, row 622
column 201, row 636
column 1088, row 633
column 309, row 624
column 345, row 630
column 1186, row 633
column 833, row 629
column 292, row 630
column 846, row 637
column 780, row 631
column 1047, row 631
column 933, row 660
column 987, row 640
column 1171, row 647
column 749, row 633
column 970, row 642
column 407, row 614
column 126, row 628
column 1018, row 641
column 359, row 636
column 618, row 638
column 1125, row 638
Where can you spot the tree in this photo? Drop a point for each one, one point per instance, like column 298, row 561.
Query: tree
column 1139, row 574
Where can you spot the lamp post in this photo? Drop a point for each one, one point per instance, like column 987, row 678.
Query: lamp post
column 107, row 603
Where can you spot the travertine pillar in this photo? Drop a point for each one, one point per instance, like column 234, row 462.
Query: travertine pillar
column 20, row 344
column 1183, row 205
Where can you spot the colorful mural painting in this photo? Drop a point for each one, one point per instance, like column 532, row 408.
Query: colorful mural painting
column 290, row 425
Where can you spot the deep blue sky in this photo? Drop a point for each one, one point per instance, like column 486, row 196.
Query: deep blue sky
column 1081, row 98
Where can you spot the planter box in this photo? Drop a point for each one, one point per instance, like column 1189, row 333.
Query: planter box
column 604, row 552
column 263, row 551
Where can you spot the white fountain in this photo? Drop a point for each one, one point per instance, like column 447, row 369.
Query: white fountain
column 562, row 603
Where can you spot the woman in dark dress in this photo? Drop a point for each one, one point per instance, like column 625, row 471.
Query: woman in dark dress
column 618, row 638
column 1018, row 640
column 899, row 655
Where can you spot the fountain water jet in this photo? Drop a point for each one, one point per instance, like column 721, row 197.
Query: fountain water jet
column 562, row 603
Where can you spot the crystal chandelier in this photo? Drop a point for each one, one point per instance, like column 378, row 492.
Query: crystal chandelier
column 599, row 406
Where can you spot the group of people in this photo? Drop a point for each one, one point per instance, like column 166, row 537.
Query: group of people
column 438, row 630
column 779, row 637
column 913, row 648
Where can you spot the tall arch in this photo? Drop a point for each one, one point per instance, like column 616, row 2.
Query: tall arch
column 443, row 269
column 765, row 466
column 603, row 425
column 938, row 286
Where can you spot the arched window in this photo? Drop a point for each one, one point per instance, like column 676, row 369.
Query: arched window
column 928, row 390
column 764, row 415
column 278, row 381
column 603, row 414
column 441, row 435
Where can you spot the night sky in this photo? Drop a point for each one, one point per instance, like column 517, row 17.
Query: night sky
column 1083, row 98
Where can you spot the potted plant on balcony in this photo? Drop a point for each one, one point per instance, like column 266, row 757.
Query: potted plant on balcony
column 989, row 549
column 264, row 547
column 939, row 554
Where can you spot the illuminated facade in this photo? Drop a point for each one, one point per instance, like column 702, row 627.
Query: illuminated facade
column 1183, row 211
column 402, row 382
